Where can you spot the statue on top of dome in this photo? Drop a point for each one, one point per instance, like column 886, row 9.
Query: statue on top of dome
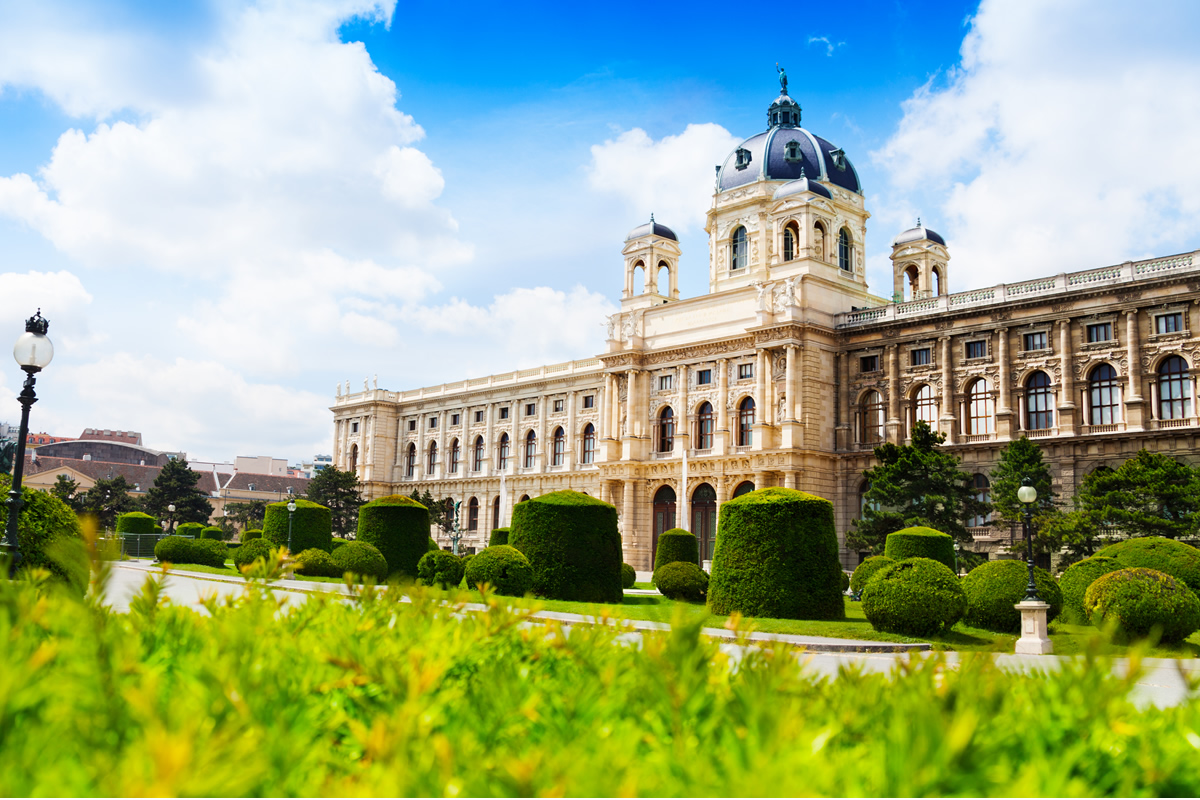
column 782, row 78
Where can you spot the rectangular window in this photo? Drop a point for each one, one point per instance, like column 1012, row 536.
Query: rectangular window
column 433, row 422
column 454, row 419
column 977, row 349
column 868, row 363
column 589, row 401
column 1100, row 332
column 354, row 427
column 704, row 377
column 479, row 416
column 558, row 405
column 504, row 413
column 919, row 358
column 745, row 371
column 530, row 409
column 412, row 424
column 1035, row 341
column 1169, row 323
column 665, row 382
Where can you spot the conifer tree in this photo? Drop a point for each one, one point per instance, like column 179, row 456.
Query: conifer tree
column 177, row 484
column 338, row 491
column 1151, row 494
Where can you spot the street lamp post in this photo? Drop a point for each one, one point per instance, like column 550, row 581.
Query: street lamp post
column 456, row 533
column 1028, row 496
column 171, row 517
column 1035, row 628
column 33, row 352
column 291, row 507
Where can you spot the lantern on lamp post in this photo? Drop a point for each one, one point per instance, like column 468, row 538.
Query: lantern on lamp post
column 1028, row 496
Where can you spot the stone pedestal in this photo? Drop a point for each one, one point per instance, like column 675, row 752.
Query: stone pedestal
column 1035, row 629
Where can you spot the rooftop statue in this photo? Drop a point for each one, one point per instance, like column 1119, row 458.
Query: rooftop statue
column 782, row 78
column 8, row 452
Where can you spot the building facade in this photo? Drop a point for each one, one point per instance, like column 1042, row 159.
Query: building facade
column 788, row 372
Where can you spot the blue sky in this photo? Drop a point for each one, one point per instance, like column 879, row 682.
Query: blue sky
column 226, row 208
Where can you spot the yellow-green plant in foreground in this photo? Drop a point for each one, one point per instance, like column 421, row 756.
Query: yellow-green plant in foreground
column 379, row 697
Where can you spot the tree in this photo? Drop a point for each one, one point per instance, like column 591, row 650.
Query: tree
column 248, row 515
column 915, row 484
column 176, row 484
column 67, row 490
column 1151, row 494
column 339, row 492
column 441, row 512
column 1020, row 459
column 106, row 500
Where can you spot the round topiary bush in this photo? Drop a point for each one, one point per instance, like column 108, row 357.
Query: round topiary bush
column 1142, row 602
column 250, row 552
column 173, row 550
column 676, row 545
column 317, row 563
column 190, row 530
column 466, row 559
column 137, row 522
column 572, row 543
column 336, row 543
column 433, row 545
column 213, row 532
column 498, row 536
column 253, row 533
column 681, row 580
column 868, row 569
column 312, row 526
column 628, row 576
column 1078, row 577
column 439, row 568
column 1177, row 559
column 362, row 559
column 209, row 552
column 50, row 537
column 178, row 550
column 502, row 567
column 399, row 527
column 918, row 542
column 914, row 597
column 777, row 556
column 994, row 588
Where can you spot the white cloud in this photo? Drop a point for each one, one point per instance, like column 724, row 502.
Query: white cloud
column 824, row 41
column 1063, row 141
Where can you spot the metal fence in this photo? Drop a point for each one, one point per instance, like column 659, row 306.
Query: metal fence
column 141, row 545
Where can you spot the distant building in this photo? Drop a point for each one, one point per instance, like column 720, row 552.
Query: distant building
column 261, row 465
column 39, row 439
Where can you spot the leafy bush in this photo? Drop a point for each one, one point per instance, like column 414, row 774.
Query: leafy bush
column 777, row 556
column 1078, row 577
column 572, row 543
column 209, row 552
column 681, row 580
column 253, row 533
column 504, row 568
column 178, row 550
column 213, row 532
column 628, row 576
column 336, row 543
column 868, row 569
column 191, row 530
column 498, row 536
column 1141, row 602
column 399, row 527
column 994, row 588
column 676, row 545
column 312, row 525
column 918, row 542
column 466, row 559
column 251, row 551
column 1177, row 559
column 845, row 581
column 915, row 597
column 362, row 559
column 49, row 536
column 437, row 567
column 433, row 545
column 317, row 563
column 137, row 522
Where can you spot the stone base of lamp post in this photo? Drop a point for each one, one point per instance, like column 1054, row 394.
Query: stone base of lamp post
column 1035, row 629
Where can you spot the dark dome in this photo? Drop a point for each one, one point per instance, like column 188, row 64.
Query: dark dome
column 800, row 186
column 652, row 227
column 917, row 234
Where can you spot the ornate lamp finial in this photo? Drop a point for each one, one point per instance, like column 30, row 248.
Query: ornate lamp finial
column 37, row 324
column 918, row 222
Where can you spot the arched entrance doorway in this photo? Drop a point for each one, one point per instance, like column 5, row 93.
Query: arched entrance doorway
column 353, row 458
column 745, row 487
column 664, row 514
column 704, row 519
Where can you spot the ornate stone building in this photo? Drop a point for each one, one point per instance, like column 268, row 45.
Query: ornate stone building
column 788, row 372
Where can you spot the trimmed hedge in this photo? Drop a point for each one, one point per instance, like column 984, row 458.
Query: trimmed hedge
column 433, row 545
column 498, row 536
column 572, row 543
column 317, row 563
column 868, row 569
column 437, row 567
column 502, row 567
column 192, row 529
column 845, row 581
column 137, row 522
column 178, row 550
column 50, row 537
column 676, row 545
column 312, row 525
column 628, row 576
column 1078, row 577
column 777, row 556
column 914, row 597
column 360, row 558
column 251, row 551
column 1142, row 602
column 994, row 588
column 919, row 542
column 213, row 532
column 1177, row 559
column 681, row 580
column 398, row 527
column 336, row 543
column 253, row 533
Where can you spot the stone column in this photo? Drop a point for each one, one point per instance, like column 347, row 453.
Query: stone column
column 1004, row 422
column 1066, row 409
column 790, row 387
column 894, row 432
column 569, row 441
column 443, row 464
column 489, row 438
column 629, row 532
column 603, row 430
column 1136, row 413
column 762, row 401
column 683, row 420
column 947, row 416
column 842, row 432
column 722, row 439
column 632, row 402
column 422, row 456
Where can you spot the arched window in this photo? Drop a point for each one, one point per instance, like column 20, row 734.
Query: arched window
column 473, row 514
column 1105, row 396
column 496, row 512
column 819, row 241
column 745, row 487
column 704, row 426
column 502, row 456
column 746, row 422
column 1174, row 389
column 871, row 418
column 703, row 518
column 983, row 493
column 980, row 408
column 353, row 458
column 926, row 408
column 559, row 453
column 937, row 282
column 666, row 430
column 1039, row 403
column 844, row 249
column 431, row 462
column 737, row 248
column 410, row 462
column 455, row 456
column 589, row 444
column 477, row 455
column 791, row 241
column 530, row 448
column 912, row 282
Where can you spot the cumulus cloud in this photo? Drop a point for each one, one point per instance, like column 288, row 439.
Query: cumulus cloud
column 1062, row 141
column 824, row 41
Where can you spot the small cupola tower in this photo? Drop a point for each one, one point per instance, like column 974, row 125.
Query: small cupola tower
column 651, row 248
column 919, row 265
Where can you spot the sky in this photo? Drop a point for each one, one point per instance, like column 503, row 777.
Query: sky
column 227, row 208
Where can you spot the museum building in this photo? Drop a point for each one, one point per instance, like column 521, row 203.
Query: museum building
column 788, row 372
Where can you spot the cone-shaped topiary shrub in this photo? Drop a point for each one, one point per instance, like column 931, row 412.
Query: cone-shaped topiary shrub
column 312, row 526
column 677, row 545
column 137, row 522
column 433, row 545
column 504, row 568
column 777, row 556
column 628, row 576
column 251, row 551
column 317, row 563
column 50, row 537
column 1142, row 602
column 994, row 588
column 439, row 568
column 498, row 536
column 213, row 532
column 191, row 530
column 681, row 580
column 399, row 527
column 1156, row 552
column 868, row 569
column 1078, row 577
column 918, row 542
column 253, row 533
column 362, row 559
column 914, row 597
column 572, row 543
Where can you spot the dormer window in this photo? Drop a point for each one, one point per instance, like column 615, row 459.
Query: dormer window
column 839, row 158
column 743, row 158
column 791, row 151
